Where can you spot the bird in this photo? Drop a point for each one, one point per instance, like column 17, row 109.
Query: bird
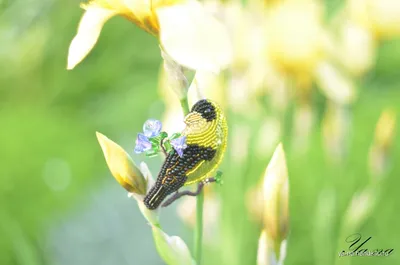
column 206, row 135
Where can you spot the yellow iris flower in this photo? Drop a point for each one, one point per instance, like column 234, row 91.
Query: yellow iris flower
column 297, row 47
column 381, row 17
column 186, row 32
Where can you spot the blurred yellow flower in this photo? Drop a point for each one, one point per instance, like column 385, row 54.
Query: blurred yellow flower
column 122, row 167
column 385, row 129
column 379, row 152
column 191, row 36
column 381, row 17
column 298, row 46
column 295, row 35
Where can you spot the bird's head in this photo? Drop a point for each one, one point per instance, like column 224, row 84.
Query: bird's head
column 200, row 118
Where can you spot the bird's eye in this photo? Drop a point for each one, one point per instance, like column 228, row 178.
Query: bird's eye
column 207, row 111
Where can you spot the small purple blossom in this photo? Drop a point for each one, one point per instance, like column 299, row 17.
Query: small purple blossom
column 179, row 144
column 142, row 144
column 152, row 128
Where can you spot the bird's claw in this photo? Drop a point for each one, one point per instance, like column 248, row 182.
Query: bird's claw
column 200, row 187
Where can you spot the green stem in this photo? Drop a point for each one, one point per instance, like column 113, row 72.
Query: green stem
column 198, row 230
column 185, row 105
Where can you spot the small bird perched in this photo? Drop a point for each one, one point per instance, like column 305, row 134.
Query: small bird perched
column 206, row 139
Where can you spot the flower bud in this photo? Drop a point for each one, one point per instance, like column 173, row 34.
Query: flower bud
column 265, row 255
column 276, row 200
column 380, row 149
column 384, row 131
column 121, row 166
column 262, row 252
column 360, row 208
column 172, row 249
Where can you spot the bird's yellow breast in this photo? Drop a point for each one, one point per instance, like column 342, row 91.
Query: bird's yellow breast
column 211, row 134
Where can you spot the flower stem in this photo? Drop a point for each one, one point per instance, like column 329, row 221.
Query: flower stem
column 198, row 229
column 185, row 105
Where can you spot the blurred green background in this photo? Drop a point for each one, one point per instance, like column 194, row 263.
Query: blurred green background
column 58, row 202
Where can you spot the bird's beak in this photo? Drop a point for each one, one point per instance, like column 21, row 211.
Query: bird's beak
column 192, row 118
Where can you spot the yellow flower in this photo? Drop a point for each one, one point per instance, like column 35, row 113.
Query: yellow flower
column 297, row 48
column 122, row 167
column 379, row 153
column 187, row 33
column 381, row 17
column 385, row 129
column 295, row 35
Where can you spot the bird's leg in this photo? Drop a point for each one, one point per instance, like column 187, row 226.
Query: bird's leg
column 209, row 180
column 200, row 187
column 178, row 194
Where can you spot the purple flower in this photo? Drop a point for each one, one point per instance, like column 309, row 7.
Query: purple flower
column 179, row 144
column 152, row 128
column 142, row 144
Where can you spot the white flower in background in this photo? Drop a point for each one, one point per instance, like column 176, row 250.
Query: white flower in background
column 193, row 38
column 187, row 33
column 356, row 49
column 334, row 84
column 249, row 66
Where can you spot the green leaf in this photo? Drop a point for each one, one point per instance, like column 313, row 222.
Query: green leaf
column 174, row 136
column 163, row 135
column 167, row 146
column 155, row 141
column 152, row 153
column 218, row 178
